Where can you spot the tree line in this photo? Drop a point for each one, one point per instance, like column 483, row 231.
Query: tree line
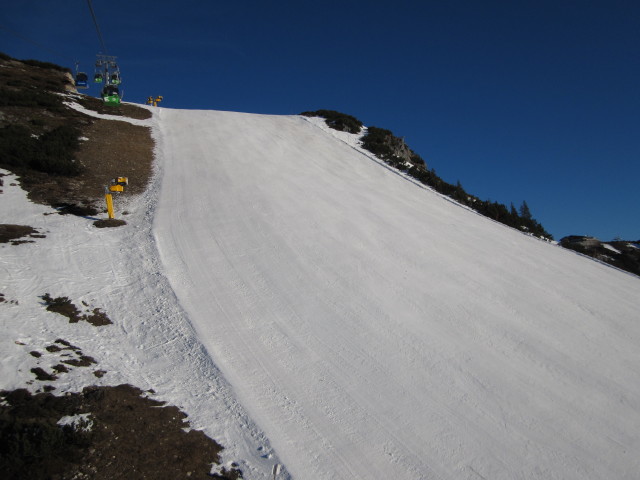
column 393, row 151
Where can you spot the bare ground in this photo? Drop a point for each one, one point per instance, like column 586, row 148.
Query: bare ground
column 131, row 437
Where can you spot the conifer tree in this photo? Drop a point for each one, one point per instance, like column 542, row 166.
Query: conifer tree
column 513, row 211
column 524, row 211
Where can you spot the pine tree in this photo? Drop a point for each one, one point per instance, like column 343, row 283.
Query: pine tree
column 524, row 211
column 513, row 211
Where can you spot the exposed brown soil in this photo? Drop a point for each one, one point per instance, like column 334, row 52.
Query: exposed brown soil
column 126, row 436
column 122, row 110
column 11, row 233
column 131, row 437
column 64, row 353
column 66, row 307
column 109, row 223
column 114, row 148
column 42, row 375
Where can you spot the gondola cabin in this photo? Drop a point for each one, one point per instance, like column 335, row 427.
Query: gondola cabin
column 115, row 79
column 110, row 95
column 97, row 78
column 82, row 80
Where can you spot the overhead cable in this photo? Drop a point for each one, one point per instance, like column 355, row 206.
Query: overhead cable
column 27, row 39
column 95, row 22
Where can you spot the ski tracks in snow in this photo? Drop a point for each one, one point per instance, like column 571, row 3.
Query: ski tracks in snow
column 374, row 330
column 151, row 343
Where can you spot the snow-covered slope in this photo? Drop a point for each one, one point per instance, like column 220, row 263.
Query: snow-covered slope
column 151, row 343
column 374, row 329
column 307, row 305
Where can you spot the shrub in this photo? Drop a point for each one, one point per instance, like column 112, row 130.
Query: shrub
column 17, row 146
column 51, row 153
column 32, row 445
column 337, row 121
column 378, row 141
column 29, row 98
column 56, row 151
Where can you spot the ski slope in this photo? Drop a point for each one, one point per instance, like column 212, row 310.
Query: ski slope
column 374, row 329
column 150, row 344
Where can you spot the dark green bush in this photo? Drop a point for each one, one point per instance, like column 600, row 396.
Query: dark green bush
column 417, row 159
column 17, row 146
column 56, row 151
column 377, row 141
column 16, row 83
column 29, row 98
column 51, row 153
column 32, row 445
column 337, row 121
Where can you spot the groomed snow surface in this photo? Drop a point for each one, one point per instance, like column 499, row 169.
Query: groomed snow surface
column 298, row 298
column 374, row 329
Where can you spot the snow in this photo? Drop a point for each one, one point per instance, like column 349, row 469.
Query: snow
column 375, row 330
column 150, row 345
column 308, row 306
column 81, row 421
column 610, row 247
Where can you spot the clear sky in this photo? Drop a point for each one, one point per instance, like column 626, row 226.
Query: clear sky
column 530, row 100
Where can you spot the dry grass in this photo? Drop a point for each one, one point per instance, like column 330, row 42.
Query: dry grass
column 114, row 148
column 131, row 436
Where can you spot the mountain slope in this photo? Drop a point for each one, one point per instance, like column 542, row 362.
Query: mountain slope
column 374, row 329
column 147, row 342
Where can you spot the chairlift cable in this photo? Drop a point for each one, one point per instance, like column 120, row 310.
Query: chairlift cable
column 33, row 42
column 95, row 22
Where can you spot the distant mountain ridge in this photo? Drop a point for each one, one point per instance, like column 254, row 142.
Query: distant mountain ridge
column 623, row 254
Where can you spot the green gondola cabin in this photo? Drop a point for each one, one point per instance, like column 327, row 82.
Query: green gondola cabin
column 111, row 95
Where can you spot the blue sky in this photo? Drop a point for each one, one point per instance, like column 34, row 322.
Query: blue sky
column 518, row 100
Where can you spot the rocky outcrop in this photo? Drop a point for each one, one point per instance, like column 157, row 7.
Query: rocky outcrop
column 623, row 254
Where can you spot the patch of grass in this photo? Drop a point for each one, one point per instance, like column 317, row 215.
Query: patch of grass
column 75, row 209
column 129, row 435
column 123, row 110
column 52, row 152
column 43, row 375
column 98, row 318
column 82, row 361
column 55, row 167
column 12, row 97
column 10, row 233
column 59, row 368
column 109, row 223
column 32, row 445
column 63, row 306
